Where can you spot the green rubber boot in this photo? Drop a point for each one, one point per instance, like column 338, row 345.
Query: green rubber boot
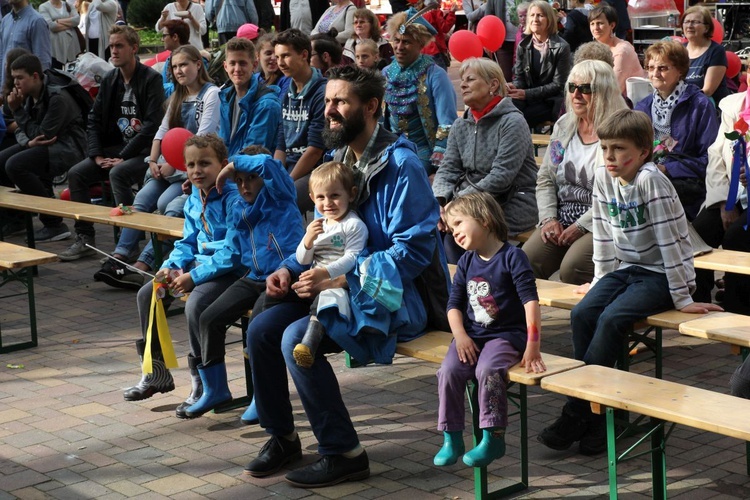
column 453, row 447
column 490, row 448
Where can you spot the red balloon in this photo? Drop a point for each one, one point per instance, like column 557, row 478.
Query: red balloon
column 491, row 32
column 65, row 194
column 718, row 35
column 173, row 147
column 734, row 65
column 464, row 44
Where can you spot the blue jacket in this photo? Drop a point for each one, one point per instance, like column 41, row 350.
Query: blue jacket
column 265, row 233
column 694, row 127
column 303, row 118
column 403, row 253
column 259, row 120
column 201, row 249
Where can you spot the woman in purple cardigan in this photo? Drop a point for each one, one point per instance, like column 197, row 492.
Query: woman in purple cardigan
column 685, row 123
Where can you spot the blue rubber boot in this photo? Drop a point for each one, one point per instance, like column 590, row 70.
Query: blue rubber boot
column 490, row 448
column 250, row 417
column 453, row 447
column 215, row 390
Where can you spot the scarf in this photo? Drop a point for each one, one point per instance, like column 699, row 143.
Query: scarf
column 661, row 111
column 493, row 102
column 541, row 47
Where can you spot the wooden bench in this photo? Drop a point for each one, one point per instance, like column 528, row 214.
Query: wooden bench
column 731, row 261
column 16, row 264
column 664, row 402
column 433, row 347
column 729, row 328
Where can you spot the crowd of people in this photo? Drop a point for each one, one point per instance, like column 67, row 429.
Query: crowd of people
column 357, row 124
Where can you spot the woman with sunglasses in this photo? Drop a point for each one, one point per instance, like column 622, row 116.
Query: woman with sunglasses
column 563, row 239
column 708, row 59
column 685, row 123
column 489, row 149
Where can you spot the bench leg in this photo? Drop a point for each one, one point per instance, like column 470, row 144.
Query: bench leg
column 658, row 461
column 612, row 453
column 26, row 278
column 481, row 486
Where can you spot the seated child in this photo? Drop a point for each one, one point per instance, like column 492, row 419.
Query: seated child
column 643, row 265
column 264, row 230
column 331, row 244
column 494, row 315
column 207, row 264
column 366, row 54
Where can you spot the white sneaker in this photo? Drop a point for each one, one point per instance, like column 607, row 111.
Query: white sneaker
column 79, row 249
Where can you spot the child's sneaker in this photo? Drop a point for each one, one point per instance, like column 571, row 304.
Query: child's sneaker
column 304, row 352
column 116, row 275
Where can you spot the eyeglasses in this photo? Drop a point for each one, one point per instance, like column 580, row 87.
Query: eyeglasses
column 660, row 69
column 361, row 21
column 584, row 88
column 692, row 23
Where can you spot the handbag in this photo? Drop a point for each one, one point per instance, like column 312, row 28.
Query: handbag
column 502, row 198
column 77, row 31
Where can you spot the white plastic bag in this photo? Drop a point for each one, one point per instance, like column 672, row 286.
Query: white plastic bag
column 89, row 69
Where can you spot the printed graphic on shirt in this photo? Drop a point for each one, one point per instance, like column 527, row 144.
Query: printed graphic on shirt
column 481, row 300
column 128, row 123
column 576, row 192
column 628, row 214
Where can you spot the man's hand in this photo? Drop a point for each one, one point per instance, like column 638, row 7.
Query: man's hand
column 15, row 99
column 312, row 284
column 277, row 284
column 41, row 140
column 313, row 230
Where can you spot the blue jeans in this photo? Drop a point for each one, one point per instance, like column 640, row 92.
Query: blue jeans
column 155, row 194
column 602, row 320
column 174, row 209
column 271, row 338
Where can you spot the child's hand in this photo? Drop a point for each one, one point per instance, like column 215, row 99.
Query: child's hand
column 532, row 359
column 162, row 275
column 583, row 289
column 313, row 230
column 466, row 348
column 227, row 173
column 315, row 275
column 182, row 284
column 277, row 284
column 700, row 308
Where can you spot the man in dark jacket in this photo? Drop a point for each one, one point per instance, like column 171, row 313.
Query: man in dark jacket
column 127, row 113
column 50, row 137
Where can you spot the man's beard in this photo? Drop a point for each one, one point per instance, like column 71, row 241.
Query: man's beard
column 347, row 130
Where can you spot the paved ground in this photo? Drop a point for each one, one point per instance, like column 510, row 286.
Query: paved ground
column 65, row 431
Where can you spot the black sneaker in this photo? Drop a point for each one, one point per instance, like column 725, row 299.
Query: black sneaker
column 330, row 470
column 52, row 233
column 118, row 276
column 14, row 228
column 594, row 441
column 566, row 430
column 276, row 453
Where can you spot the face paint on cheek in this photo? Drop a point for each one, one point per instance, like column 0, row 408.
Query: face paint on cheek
column 532, row 333
column 627, row 163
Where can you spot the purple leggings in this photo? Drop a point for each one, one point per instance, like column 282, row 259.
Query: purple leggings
column 491, row 371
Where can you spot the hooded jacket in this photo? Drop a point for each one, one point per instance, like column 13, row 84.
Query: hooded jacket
column 260, row 115
column 202, row 251
column 263, row 234
column 55, row 114
column 497, row 155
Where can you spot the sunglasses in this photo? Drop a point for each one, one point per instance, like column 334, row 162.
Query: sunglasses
column 584, row 88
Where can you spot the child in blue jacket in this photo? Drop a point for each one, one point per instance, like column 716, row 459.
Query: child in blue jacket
column 206, row 262
column 266, row 228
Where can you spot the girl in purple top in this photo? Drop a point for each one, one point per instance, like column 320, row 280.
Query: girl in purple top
column 494, row 315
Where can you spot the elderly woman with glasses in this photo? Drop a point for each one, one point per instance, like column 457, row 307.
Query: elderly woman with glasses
column 541, row 67
column 685, row 123
column 563, row 239
column 489, row 149
column 708, row 59
column 366, row 25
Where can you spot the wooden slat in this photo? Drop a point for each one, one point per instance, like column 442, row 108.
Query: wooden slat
column 671, row 319
column 152, row 223
column 730, row 261
column 540, row 139
column 557, row 294
column 724, row 327
column 17, row 257
column 48, row 206
column 670, row 401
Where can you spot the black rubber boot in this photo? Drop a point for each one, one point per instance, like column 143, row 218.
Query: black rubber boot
column 160, row 380
column 304, row 352
column 197, row 387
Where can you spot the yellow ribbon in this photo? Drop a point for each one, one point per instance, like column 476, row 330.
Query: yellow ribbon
column 165, row 339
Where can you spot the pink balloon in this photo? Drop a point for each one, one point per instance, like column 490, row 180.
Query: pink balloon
column 734, row 65
column 173, row 147
column 718, row 35
column 464, row 44
column 491, row 32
